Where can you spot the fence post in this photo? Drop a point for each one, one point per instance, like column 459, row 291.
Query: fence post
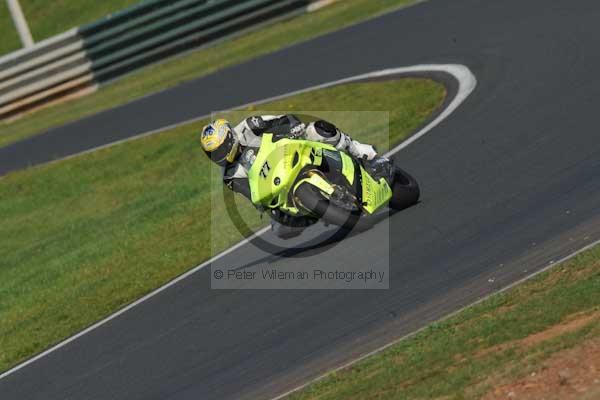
column 20, row 23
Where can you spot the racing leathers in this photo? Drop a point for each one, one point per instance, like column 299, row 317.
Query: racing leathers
column 249, row 132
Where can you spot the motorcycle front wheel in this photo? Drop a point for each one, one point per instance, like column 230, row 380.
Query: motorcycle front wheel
column 405, row 190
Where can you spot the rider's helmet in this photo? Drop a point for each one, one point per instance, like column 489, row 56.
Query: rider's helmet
column 219, row 141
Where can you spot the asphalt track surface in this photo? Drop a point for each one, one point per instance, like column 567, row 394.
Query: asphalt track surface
column 510, row 183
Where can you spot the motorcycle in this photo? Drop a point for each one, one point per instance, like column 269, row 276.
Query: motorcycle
column 302, row 177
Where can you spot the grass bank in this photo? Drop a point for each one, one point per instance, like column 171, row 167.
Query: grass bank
column 200, row 63
column 47, row 19
column 539, row 340
column 85, row 236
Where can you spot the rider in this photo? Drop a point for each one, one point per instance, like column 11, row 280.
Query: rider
column 235, row 148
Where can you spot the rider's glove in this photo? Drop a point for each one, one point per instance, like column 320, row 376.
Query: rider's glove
column 380, row 167
column 361, row 151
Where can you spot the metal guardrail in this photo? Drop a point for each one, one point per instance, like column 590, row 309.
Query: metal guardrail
column 79, row 60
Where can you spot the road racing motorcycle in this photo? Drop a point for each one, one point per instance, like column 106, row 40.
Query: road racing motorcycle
column 302, row 177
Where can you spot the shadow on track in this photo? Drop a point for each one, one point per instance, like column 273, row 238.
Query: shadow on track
column 318, row 244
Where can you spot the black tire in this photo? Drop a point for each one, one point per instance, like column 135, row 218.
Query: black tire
column 405, row 190
column 311, row 199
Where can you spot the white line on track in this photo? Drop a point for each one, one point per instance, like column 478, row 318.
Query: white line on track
column 466, row 84
column 393, row 342
column 462, row 73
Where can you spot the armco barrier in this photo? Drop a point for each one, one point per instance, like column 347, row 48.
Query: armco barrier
column 78, row 60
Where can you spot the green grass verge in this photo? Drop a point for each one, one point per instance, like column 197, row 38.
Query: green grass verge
column 47, row 19
column 84, row 236
column 203, row 62
column 465, row 355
